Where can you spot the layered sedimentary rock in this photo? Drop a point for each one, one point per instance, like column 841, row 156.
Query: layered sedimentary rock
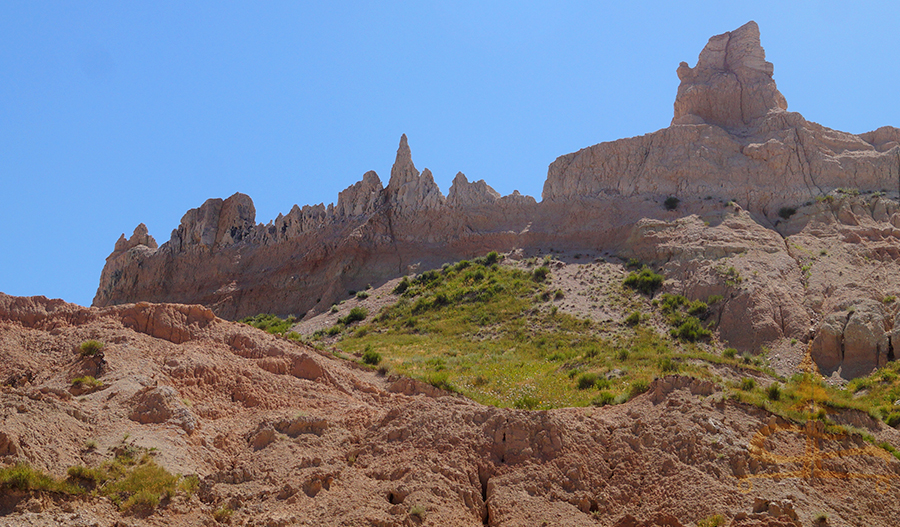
column 754, row 183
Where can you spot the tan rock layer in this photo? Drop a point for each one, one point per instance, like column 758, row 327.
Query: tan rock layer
column 731, row 140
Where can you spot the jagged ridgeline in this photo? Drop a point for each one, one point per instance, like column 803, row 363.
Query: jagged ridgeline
column 736, row 187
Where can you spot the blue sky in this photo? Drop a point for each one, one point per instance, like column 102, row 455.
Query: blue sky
column 117, row 113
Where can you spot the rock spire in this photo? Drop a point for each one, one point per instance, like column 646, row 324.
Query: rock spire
column 731, row 85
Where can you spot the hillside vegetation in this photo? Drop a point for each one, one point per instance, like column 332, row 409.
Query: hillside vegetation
column 493, row 332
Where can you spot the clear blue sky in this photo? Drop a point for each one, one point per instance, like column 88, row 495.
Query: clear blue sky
column 117, row 113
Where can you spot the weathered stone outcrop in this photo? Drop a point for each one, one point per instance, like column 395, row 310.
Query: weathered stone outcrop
column 465, row 194
column 754, row 183
column 731, row 138
column 408, row 191
column 731, row 86
column 361, row 198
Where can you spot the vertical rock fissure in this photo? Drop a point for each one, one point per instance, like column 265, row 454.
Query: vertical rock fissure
column 484, row 477
column 890, row 350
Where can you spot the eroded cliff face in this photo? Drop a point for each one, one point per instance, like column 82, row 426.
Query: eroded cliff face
column 737, row 160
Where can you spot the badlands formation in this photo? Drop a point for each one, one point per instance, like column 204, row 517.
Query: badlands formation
column 794, row 225
column 808, row 217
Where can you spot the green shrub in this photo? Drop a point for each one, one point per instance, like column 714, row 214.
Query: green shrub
column 142, row 487
column 633, row 263
column 697, row 308
column 638, row 387
column 633, row 319
column 586, row 380
column 691, row 330
column 786, row 212
column 671, row 203
column 362, row 295
column 223, row 514
column 773, row 392
column 748, row 384
column 645, row 281
column 603, row 399
column 491, row 258
column 22, row 476
column 90, row 348
column 418, row 511
column 402, row 286
column 441, row 380
column 371, row 357
column 333, row 330
column 86, row 477
column 271, row 323
column 713, row 521
column 88, row 382
column 893, row 419
column 729, row 353
column 540, row 274
column 667, row 365
column 355, row 315
column 527, row 402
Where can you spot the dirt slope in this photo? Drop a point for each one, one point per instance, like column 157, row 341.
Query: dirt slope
column 284, row 434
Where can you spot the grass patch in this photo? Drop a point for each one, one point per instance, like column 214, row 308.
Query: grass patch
column 23, row 477
column 88, row 382
column 479, row 330
column 355, row 315
column 371, row 357
column 89, row 348
column 644, row 281
column 270, row 323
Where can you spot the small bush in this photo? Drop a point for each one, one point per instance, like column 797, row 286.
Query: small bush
column 729, row 353
column 88, row 382
column 638, row 387
column 86, row 477
column 713, row 521
column 540, row 274
column 24, row 477
column 355, row 315
column 402, row 286
column 697, row 308
column 223, row 514
column 667, row 365
column 773, row 392
column 691, row 330
column 142, row 487
column 362, row 295
column 622, row 355
column 634, row 318
column 889, row 299
column 893, row 419
column 603, row 399
column 671, row 203
column 527, row 402
column 645, row 281
column 333, row 330
column 371, row 357
column 491, row 258
column 441, row 380
column 89, row 348
column 418, row 511
column 748, row 384
column 586, row 380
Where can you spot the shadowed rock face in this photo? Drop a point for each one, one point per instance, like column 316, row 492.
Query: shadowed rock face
column 731, row 140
